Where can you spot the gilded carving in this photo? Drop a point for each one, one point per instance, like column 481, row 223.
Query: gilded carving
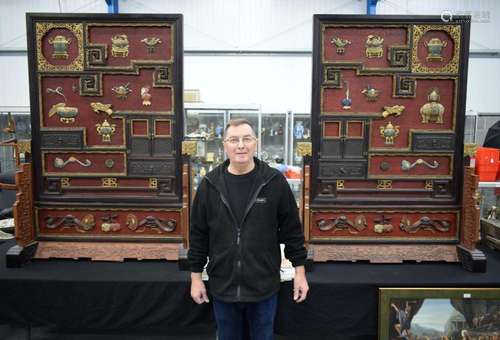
column 60, row 163
column 132, row 221
column 395, row 110
column 374, row 46
column 304, row 149
column 151, row 43
column 340, row 184
column 109, row 223
column 371, row 93
column 24, row 145
column 470, row 149
column 384, row 184
column 42, row 28
column 389, row 132
column 66, row 114
column 60, row 44
column 429, row 184
column 145, row 96
column 106, row 130
column 433, row 110
column 406, row 165
column 65, row 182
column 100, row 107
column 153, row 183
column 119, row 45
column 383, row 225
column 340, row 43
column 122, row 91
column 435, row 48
column 419, row 31
column 109, row 182
column 189, row 147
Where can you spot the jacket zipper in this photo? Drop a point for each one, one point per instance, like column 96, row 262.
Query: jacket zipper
column 238, row 227
column 238, row 237
column 249, row 206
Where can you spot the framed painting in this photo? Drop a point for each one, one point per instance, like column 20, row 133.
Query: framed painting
column 439, row 313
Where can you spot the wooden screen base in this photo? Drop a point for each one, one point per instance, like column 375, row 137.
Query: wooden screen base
column 110, row 251
column 384, row 253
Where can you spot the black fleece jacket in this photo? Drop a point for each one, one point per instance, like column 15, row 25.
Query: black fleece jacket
column 245, row 258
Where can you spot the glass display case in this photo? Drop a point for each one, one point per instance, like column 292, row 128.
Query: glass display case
column 205, row 124
column 470, row 127
column 490, row 214
column 22, row 127
column 278, row 135
column 476, row 128
column 273, row 135
column 300, row 131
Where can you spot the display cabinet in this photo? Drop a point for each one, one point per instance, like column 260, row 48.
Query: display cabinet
column 385, row 178
column 274, row 135
column 300, row 131
column 490, row 214
column 205, row 126
column 14, row 125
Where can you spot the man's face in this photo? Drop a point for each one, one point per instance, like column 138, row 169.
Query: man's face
column 240, row 144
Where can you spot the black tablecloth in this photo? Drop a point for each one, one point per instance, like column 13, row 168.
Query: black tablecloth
column 137, row 295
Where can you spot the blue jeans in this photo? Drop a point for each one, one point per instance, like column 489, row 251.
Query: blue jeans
column 230, row 318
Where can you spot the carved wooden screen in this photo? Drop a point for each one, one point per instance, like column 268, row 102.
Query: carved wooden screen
column 388, row 120
column 106, row 101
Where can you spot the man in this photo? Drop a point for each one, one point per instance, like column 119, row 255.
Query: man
column 242, row 211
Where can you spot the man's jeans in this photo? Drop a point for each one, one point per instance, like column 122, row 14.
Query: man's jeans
column 260, row 316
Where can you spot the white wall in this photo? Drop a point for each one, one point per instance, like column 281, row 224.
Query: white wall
column 276, row 83
column 483, row 93
column 14, row 83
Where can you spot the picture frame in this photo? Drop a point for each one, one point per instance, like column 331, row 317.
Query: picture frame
column 439, row 313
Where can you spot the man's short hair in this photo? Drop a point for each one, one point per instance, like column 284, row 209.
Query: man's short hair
column 237, row 122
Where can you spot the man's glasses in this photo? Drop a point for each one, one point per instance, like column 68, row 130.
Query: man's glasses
column 234, row 140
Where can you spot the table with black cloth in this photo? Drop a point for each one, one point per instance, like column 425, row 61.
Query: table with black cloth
column 135, row 295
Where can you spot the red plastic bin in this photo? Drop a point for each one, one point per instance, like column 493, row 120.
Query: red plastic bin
column 487, row 162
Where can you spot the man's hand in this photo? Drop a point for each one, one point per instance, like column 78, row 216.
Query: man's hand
column 198, row 290
column 300, row 286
